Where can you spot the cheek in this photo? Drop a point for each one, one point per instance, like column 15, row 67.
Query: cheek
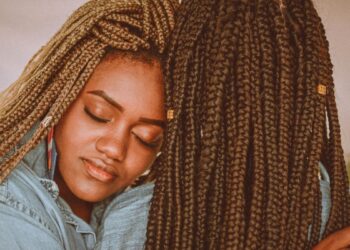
column 138, row 163
column 71, row 134
column 74, row 130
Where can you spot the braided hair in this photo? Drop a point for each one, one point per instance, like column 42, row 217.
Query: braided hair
column 58, row 71
column 250, row 83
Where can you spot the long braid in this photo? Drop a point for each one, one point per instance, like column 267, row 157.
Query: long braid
column 56, row 74
column 301, row 108
column 238, row 146
column 241, row 156
column 310, row 198
column 256, row 180
column 71, row 70
column 220, row 48
column 11, row 121
column 278, row 171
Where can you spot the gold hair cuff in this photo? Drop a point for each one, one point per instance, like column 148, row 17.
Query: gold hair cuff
column 322, row 89
column 170, row 114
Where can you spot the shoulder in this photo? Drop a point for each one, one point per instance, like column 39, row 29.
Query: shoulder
column 19, row 230
column 23, row 224
column 135, row 197
column 24, row 186
column 135, row 201
column 22, row 207
column 124, row 222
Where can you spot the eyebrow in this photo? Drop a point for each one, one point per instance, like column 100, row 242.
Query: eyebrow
column 101, row 93
column 108, row 99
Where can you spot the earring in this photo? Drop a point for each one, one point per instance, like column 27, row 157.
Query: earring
column 145, row 173
column 46, row 121
column 139, row 179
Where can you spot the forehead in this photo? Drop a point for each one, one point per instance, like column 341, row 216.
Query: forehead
column 131, row 83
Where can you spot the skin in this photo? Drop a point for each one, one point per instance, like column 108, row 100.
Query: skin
column 111, row 133
column 339, row 240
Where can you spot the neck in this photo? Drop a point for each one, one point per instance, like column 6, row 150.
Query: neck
column 80, row 207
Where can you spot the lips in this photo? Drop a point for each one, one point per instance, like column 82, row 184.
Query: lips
column 99, row 171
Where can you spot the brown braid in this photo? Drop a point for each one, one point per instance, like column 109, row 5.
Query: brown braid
column 241, row 161
column 56, row 74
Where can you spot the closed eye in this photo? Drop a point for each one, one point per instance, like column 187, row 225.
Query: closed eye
column 94, row 117
column 151, row 145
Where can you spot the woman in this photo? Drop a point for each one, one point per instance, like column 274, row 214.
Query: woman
column 82, row 123
column 253, row 157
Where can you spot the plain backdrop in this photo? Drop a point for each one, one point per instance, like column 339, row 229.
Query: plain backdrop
column 26, row 25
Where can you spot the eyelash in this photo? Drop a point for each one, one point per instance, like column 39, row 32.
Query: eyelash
column 151, row 145
column 94, row 117
column 142, row 142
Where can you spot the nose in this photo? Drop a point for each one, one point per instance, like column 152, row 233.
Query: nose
column 112, row 146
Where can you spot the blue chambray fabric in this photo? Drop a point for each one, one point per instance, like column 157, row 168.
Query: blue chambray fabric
column 326, row 197
column 124, row 222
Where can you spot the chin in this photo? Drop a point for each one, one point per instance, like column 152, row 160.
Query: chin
column 90, row 195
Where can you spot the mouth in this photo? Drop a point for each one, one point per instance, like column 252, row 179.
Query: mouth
column 99, row 171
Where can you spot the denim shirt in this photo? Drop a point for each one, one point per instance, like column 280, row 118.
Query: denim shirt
column 326, row 197
column 124, row 222
column 34, row 216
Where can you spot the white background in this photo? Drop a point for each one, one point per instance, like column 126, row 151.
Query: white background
column 26, row 25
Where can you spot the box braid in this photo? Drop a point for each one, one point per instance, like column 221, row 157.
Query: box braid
column 56, row 74
column 241, row 157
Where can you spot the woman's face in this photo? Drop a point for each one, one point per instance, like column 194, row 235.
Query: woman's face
column 112, row 132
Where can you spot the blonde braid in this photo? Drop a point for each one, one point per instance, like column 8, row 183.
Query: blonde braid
column 9, row 125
